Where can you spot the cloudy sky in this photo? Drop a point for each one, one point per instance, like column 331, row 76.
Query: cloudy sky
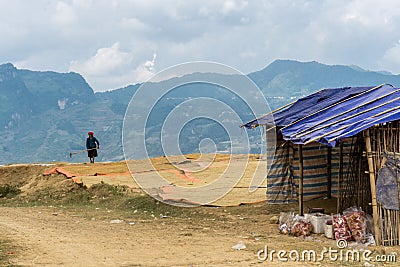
column 114, row 43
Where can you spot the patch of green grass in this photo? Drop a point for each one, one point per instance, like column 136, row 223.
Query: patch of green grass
column 104, row 201
column 7, row 191
column 81, row 196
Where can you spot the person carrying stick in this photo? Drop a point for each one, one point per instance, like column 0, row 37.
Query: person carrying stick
column 92, row 144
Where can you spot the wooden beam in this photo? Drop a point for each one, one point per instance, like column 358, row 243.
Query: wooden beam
column 371, row 171
column 340, row 179
column 301, row 209
column 329, row 172
column 395, row 137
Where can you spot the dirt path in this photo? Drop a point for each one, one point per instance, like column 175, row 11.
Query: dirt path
column 46, row 236
column 66, row 239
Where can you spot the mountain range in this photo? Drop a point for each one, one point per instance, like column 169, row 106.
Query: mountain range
column 45, row 115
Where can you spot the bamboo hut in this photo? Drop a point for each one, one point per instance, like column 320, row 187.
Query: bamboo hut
column 343, row 143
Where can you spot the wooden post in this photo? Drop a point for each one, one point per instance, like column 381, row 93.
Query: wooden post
column 340, row 178
column 396, row 149
column 373, row 186
column 301, row 179
column 329, row 172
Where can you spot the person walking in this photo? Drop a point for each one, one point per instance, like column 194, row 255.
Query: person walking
column 92, row 144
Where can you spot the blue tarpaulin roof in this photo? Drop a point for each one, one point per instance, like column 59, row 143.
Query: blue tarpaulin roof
column 332, row 114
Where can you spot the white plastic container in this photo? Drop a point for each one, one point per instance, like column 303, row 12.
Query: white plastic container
column 329, row 231
column 318, row 222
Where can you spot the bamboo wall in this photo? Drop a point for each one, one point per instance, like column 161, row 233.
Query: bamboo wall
column 354, row 182
column 386, row 138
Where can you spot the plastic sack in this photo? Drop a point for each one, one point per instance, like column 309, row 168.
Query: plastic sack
column 369, row 240
column 340, row 228
column 357, row 223
column 301, row 227
column 286, row 221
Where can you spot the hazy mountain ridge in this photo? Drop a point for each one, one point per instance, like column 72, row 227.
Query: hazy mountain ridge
column 287, row 77
column 45, row 115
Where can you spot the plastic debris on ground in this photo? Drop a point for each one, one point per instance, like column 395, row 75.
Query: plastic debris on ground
column 116, row 221
column 239, row 246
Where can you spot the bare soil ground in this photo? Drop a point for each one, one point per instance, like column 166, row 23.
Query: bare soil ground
column 52, row 221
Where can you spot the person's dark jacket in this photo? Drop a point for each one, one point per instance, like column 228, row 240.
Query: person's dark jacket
column 92, row 142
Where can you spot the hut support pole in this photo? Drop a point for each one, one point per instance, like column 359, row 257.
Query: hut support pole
column 340, row 179
column 373, row 186
column 329, row 172
column 301, row 179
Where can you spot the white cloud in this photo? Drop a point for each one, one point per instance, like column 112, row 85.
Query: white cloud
column 112, row 68
column 106, row 60
column 64, row 14
column 134, row 24
column 233, row 6
column 391, row 58
column 146, row 70
column 83, row 3
column 149, row 64
column 111, row 43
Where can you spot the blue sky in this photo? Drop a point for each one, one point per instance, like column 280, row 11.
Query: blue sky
column 115, row 43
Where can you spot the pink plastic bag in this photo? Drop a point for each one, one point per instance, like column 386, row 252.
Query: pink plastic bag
column 357, row 223
column 341, row 228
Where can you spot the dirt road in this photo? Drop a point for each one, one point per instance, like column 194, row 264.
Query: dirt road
column 50, row 237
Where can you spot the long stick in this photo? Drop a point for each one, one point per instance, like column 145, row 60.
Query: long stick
column 397, row 149
column 301, row 179
column 329, row 173
column 373, row 185
column 80, row 151
column 340, row 178
column 335, row 104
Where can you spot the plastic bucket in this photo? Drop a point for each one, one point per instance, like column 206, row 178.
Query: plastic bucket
column 328, row 230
